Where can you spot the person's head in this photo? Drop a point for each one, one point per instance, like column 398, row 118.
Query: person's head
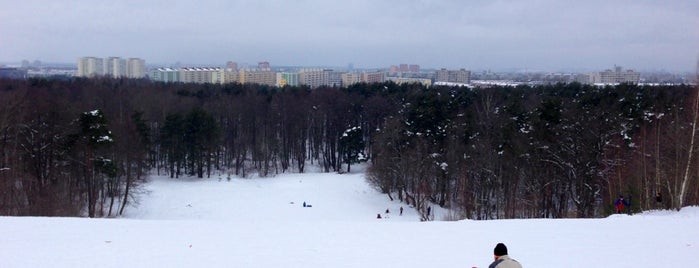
column 500, row 250
column 621, row 197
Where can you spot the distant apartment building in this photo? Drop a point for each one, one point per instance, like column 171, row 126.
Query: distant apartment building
column 115, row 67
column 90, row 67
column 232, row 65
column 14, row 73
column 263, row 65
column 393, row 70
column 230, row 74
column 313, row 78
column 404, row 80
column 202, row 75
column 403, row 68
column 373, row 77
column 135, row 68
column 461, row 76
column 194, row 75
column 349, row 79
column 165, row 75
column 334, row 78
column 287, row 79
column 582, row 78
column 615, row 76
column 257, row 76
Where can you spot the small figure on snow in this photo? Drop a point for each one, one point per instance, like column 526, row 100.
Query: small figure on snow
column 429, row 210
column 378, row 216
column 386, row 211
column 620, row 204
column 304, row 203
column 502, row 260
column 658, row 200
column 401, row 211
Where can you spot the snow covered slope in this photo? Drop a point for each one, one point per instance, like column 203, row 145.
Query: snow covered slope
column 262, row 223
column 332, row 198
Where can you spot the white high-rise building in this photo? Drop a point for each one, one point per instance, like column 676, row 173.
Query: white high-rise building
column 136, row 68
column 115, row 67
column 90, row 67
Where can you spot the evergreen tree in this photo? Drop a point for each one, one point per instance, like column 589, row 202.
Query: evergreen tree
column 91, row 141
column 352, row 144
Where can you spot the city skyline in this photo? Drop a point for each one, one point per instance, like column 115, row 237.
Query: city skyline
column 541, row 35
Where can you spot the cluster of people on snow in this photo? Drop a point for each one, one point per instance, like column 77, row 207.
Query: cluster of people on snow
column 501, row 256
column 622, row 203
column 400, row 213
column 426, row 214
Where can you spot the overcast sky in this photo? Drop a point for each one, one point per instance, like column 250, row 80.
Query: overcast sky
column 549, row 35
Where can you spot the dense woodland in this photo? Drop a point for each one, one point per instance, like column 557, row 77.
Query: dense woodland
column 82, row 147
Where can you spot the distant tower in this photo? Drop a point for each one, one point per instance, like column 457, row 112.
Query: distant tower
column 393, row 70
column 263, row 65
column 232, row 65
column 115, row 67
column 90, row 67
column 135, row 68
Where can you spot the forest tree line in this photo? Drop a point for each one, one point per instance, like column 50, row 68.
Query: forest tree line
column 82, row 147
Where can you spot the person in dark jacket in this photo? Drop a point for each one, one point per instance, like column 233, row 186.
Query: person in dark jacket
column 620, row 204
column 658, row 200
column 502, row 260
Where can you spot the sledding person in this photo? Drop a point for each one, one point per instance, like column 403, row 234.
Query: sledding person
column 378, row 216
column 620, row 204
column 401, row 211
column 502, row 260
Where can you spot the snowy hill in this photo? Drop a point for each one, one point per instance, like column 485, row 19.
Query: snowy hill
column 262, row 223
column 332, row 197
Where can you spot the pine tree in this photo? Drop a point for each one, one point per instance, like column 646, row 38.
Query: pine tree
column 352, row 144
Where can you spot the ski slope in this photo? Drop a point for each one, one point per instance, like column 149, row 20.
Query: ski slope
column 260, row 222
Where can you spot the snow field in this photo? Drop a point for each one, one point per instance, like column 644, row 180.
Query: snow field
column 253, row 223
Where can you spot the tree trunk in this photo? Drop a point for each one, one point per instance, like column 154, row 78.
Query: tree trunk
column 683, row 188
column 127, row 188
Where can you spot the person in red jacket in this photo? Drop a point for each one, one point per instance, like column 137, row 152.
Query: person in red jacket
column 620, row 204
